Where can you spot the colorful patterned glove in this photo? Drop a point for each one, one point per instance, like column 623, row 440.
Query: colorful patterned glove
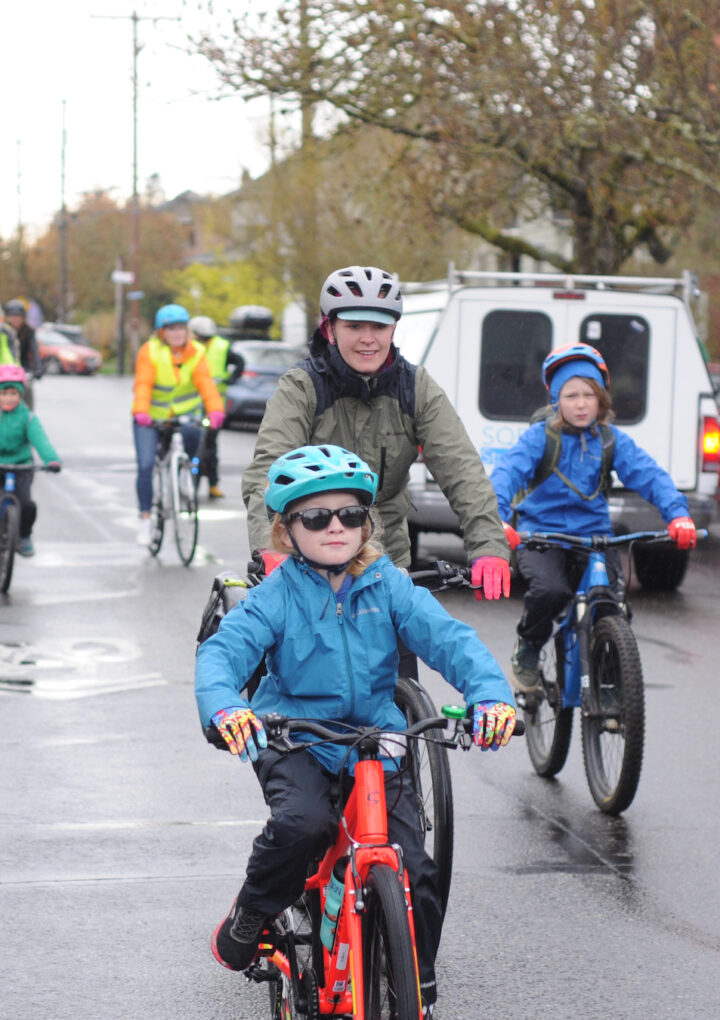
column 270, row 559
column 216, row 419
column 493, row 724
column 491, row 577
column 512, row 536
column 143, row 418
column 682, row 531
column 236, row 726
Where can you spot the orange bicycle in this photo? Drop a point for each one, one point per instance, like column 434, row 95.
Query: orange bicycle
column 347, row 947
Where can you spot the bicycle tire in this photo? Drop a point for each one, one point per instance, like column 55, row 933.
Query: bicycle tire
column 390, row 982
column 185, row 509
column 613, row 726
column 9, row 532
column 429, row 771
column 157, row 510
column 548, row 726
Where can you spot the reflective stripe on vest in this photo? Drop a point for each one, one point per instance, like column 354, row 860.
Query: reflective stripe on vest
column 216, row 352
column 173, row 391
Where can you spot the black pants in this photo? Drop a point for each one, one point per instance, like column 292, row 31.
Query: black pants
column 28, row 509
column 554, row 576
column 304, row 822
column 209, row 457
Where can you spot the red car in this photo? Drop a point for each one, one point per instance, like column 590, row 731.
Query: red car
column 62, row 356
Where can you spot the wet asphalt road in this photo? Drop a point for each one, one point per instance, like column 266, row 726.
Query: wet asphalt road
column 124, row 836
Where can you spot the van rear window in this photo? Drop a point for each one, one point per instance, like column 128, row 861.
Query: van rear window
column 514, row 345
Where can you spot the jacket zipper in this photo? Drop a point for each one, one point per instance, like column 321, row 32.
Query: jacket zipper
column 339, row 618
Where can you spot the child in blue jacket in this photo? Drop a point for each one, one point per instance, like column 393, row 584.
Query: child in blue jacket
column 572, row 498
column 328, row 618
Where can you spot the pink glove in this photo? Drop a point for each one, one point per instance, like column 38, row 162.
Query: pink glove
column 682, row 531
column 54, row 466
column 493, row 724
column 512, row 536
column 491, row 577
column 143, row 418
column 271, row 559
column 216, row 419
column 236, row 728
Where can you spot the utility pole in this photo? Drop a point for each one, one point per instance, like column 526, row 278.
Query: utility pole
column 20, row 228
column 136, row 293
column 62, row 307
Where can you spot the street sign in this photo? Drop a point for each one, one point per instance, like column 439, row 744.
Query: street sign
column 123, row 276
column 135, row 295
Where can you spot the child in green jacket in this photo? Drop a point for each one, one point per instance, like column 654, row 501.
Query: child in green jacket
column 20, row 431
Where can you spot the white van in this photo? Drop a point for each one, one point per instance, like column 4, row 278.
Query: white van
column 484, row 336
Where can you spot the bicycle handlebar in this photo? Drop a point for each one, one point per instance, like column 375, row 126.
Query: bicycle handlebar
column 543, row 539
column 28, row 467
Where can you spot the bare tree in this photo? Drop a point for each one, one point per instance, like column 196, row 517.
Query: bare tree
column 603, row 111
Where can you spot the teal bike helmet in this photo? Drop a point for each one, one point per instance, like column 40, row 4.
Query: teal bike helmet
column 171, row 315
column 313, row 469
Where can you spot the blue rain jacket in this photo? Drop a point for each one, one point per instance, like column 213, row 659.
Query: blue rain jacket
column 338, row 660
column 553, row 506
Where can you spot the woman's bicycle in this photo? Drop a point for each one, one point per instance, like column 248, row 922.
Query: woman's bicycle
column 174, row 491
column 591, row 662
column 428, row 767
column 10, row 518
column 350, row 952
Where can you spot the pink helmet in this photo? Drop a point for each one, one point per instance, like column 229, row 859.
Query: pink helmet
column 12, row 375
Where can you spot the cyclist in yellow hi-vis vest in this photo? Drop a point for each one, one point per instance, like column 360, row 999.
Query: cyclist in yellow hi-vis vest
column 225, row 364
column 172, row 378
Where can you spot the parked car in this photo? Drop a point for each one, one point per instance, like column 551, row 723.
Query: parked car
column 61, row 355
column 265, row 361
column 483, row 337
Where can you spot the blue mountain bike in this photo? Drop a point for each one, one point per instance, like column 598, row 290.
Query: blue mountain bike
column 591, row 662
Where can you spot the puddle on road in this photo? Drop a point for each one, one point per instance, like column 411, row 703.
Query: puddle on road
column 73, row 668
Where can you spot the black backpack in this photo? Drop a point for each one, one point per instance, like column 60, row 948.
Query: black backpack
column 551, row 456
column 228, row 591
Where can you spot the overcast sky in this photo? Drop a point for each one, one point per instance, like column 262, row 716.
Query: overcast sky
column 54, row 51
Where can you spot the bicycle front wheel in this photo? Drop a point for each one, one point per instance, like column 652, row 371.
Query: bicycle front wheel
column 157, row 510
column 613, row 724
column 9, row 532
column 185, row 509
column 390, row 982
column 429, row 771
column 548, row 726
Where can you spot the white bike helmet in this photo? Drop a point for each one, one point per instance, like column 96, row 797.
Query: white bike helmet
column 203, row 326
column 362, row 293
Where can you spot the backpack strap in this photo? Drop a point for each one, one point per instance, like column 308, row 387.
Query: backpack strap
column 551, row 456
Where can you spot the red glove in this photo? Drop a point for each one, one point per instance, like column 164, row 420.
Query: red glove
column 491, row 577
column 270, row 559
column 143, row 418
column 216, row 419
column 682, row 531
column 512, row 536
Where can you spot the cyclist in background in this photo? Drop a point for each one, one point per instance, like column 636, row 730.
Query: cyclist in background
column 355, row 389
column 319, row 500
column 172, row 378
column 9, row 347
column 573, row 498
column 29, row 355
column 224, row 363
column 20, row 431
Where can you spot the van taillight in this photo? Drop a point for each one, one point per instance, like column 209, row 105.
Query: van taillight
column 710, row 444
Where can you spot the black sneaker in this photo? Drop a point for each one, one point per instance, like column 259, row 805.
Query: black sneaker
column 235, row 940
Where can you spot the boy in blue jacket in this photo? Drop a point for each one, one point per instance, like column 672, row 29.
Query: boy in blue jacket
column 328, row 619
column 572, row 499
column 20, row 431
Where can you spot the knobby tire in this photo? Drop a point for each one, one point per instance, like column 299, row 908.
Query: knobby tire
column 548, row 726
column 429, row 771
column 613, row 726
column 185, row 509
column 390, row 984
column 9, row 534
column 157, row 510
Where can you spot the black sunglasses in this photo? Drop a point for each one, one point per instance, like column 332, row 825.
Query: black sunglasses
column 317, row 518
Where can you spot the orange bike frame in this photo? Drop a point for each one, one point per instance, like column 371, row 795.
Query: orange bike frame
column 363, row 835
